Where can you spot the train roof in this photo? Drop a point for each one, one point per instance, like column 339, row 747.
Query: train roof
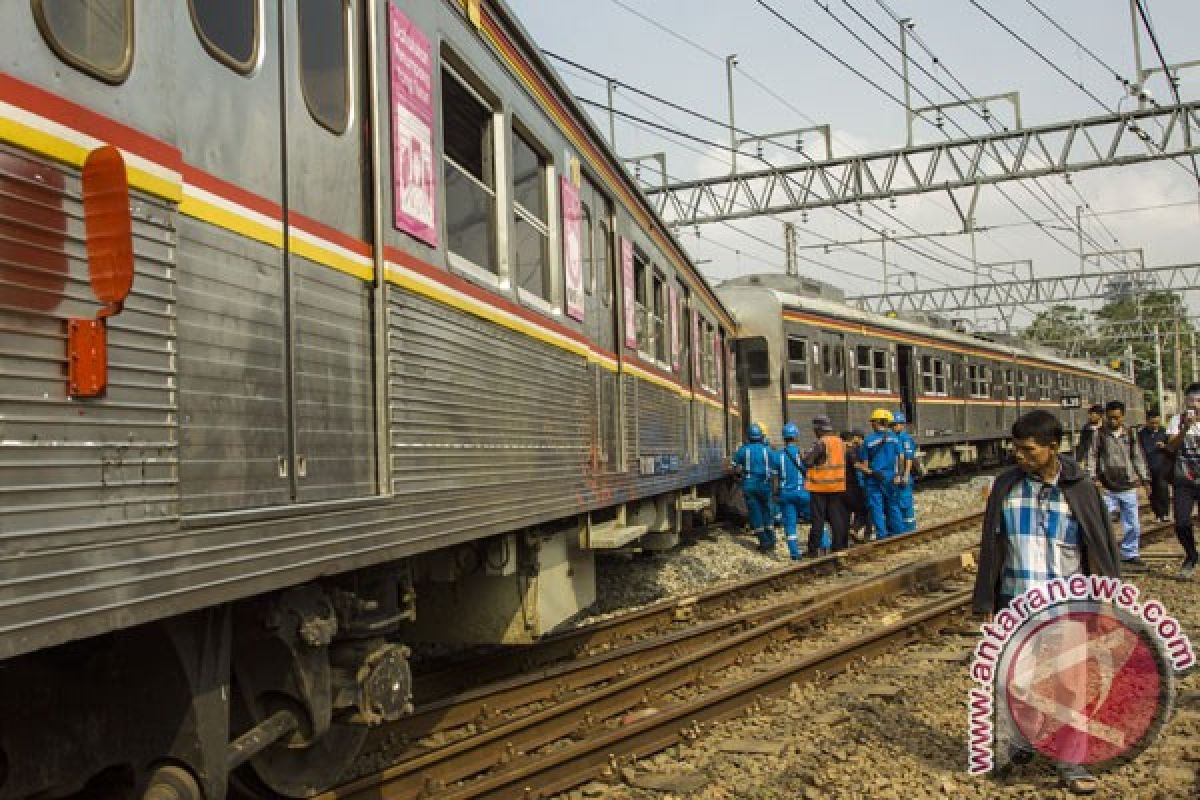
column 846, row 313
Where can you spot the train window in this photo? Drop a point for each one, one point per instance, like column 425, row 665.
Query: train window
column 939, row 377
column 94, row 36
column 228, row 31
column 685, row 328
column 1010, row 389
column 879, row 361
column 531, row 228
column 325, row 61
column 826, row 360
column 927, row 374
column 605, row 247
column 798, row 362
column 470, row 175
column 862, row 358
column 659, row 308
column 589, row 248
column 639, row 302
column 839, row 360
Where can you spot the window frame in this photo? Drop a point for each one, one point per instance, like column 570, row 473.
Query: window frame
column 553, row 267
column 499, row 279
column 864, row 365
column 803, row 341
column 348, row 22
column 220, row 56
column 660, row 312
column 112, row 77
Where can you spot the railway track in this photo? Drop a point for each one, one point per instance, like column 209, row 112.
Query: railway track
column 537, row 734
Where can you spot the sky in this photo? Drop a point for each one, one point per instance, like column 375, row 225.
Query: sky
column 676, row 49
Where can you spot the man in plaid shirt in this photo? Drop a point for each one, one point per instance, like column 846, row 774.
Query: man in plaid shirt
column 1044, row 519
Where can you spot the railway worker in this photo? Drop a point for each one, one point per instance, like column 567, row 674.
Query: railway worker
column 856, row 497
column 878, row 461
column 1152, row 438
column 1043, row 502
column 793, row 499
column 1088, row 432
column 904, row 477
column 1184, row 442
column 1115, row 462
column 752, row 461
column 826, row 482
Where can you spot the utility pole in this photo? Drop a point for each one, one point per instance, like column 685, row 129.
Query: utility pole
column 730, row 63
column 789, row 247
column 1158, row 381
column 1195, row 359
column 612, row 124
column 883, row 251
column 1178, row 371
column 1079, row 232
column 905, row 24
column 1129, row 365
column 1137, row 54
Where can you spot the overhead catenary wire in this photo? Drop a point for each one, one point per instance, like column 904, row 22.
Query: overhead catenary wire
column 1145, row 16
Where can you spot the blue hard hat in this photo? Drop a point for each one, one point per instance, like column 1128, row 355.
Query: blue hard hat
column 899, row 417
column 790, row 431
column 755, row 432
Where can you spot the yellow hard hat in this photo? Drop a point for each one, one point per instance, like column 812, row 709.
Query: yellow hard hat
column 762, row 426
column 881, row 415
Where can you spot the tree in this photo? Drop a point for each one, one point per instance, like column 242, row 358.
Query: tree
column 1060, row 326
column 1162, row 308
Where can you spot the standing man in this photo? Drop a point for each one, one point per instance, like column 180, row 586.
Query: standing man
column 1044, row 520
column 879, row 456
column 1153, row 441
column 794, row 500
column 1116, row 463
column 1088, row 432
column 753, row 464
column 1184, row 443
column 826, row 483
column 856, row 498
column 904, row 476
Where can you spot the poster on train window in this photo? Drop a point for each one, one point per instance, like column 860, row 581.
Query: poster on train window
column 414, row 179
column 627, row 293
column 674, row 327
column 572, row 233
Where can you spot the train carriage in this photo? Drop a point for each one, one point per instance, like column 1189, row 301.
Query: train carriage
column 801, row 354
column 401, row 347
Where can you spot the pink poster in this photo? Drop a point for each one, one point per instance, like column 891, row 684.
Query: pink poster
column 674, row 327
column 572, row 224
column 627, row 293
column 414, row 181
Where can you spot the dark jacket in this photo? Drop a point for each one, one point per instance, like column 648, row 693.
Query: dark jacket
column 1157, row 457
column 1098, row 549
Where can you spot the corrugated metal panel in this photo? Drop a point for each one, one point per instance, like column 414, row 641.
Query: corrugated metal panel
column 499, row 419
column 660, row 413
column 231, row 371
column 74, row 471
column 335, row 406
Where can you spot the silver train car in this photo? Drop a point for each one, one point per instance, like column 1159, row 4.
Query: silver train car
column 326, row 327
column 800, row 354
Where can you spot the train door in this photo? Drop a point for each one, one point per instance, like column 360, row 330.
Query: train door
column 904, row 354
column 328, row 276
column 835, row 383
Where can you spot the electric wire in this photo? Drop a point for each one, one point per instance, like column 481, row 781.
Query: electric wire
column 1145, row 16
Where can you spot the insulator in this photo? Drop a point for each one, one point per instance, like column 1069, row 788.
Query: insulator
column 986, row 114
column 799, row 143
column 804, row 216
column 759, row 149
column 858, row 208
column 892, row 203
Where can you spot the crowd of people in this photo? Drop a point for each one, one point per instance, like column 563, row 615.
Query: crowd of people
column 863, row 482
column 843, row 482
column 1165, row 462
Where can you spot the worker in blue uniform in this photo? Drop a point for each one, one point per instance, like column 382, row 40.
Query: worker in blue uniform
column 904, row 477
column 752, row 462
column 793, row 499
column 880, row 455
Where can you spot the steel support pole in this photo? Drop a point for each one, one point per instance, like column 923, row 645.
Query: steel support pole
column 1137, row 53
column 1158, row 380
column 904, row 25
column 1178, row 371
column 883, row 253
column 1195, row 359
column 612, row 123
column 730, row 63
column 789, row 248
